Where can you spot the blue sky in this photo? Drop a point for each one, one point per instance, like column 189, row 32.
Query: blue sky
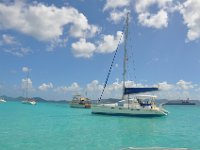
column 67, row 46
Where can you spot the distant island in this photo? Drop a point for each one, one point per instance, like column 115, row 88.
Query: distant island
column 109, row 100
column 38, row 99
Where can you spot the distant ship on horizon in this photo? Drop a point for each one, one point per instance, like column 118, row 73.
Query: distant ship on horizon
column 180, row 102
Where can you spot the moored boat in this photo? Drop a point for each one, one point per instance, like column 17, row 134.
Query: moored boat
column 180, row 102
column 80, row 102
column 2, row 100
column 131, row 107
column 30, row 101
column 135, row 106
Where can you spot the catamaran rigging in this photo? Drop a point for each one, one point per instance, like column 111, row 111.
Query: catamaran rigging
column 127, row 106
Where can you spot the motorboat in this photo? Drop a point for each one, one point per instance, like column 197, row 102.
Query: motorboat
column 79, row 101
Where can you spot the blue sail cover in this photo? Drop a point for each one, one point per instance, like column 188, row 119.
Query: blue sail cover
column 139, row 90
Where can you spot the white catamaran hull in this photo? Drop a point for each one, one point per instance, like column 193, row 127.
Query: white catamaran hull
column 123, row 111
column 29, row 102
column 2, row 101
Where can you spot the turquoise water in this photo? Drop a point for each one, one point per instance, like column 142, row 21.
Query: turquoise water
column 54, row 126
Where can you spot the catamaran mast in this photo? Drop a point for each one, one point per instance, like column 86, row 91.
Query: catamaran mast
column 125, row 31
column 125, row 53
column 27, row 84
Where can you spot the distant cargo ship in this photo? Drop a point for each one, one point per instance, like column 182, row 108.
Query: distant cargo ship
column 180, row 102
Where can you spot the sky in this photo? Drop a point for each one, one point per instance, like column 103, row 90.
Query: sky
column 61, row 48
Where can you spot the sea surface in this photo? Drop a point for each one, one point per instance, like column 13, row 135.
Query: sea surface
column 56, row 126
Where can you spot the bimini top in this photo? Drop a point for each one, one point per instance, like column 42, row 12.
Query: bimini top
column 146, row 96
column 137, row 90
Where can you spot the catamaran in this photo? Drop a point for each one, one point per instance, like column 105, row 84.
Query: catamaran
column 2, row 100
column 138, row 105
column 28, row 100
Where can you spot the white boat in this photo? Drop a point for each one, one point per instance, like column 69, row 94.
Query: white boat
column 30, row 101
column 131, row 107
column 135, row 106
column 2, row 100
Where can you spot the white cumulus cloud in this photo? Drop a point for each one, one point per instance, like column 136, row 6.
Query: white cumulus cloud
column 165, row 86
column 108, row 43
column 158, row 20
column 82, row 48
column 74, row 87
column 94, row 86
column 44, row 22
column 191, row 15
column 117, row 9
column 45, row 86
column 112, row 4
column 25, row 69
column 117, row 15
column 184, row 85
column 155, row 20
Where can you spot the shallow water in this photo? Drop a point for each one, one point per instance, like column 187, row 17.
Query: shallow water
column 54, row 126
